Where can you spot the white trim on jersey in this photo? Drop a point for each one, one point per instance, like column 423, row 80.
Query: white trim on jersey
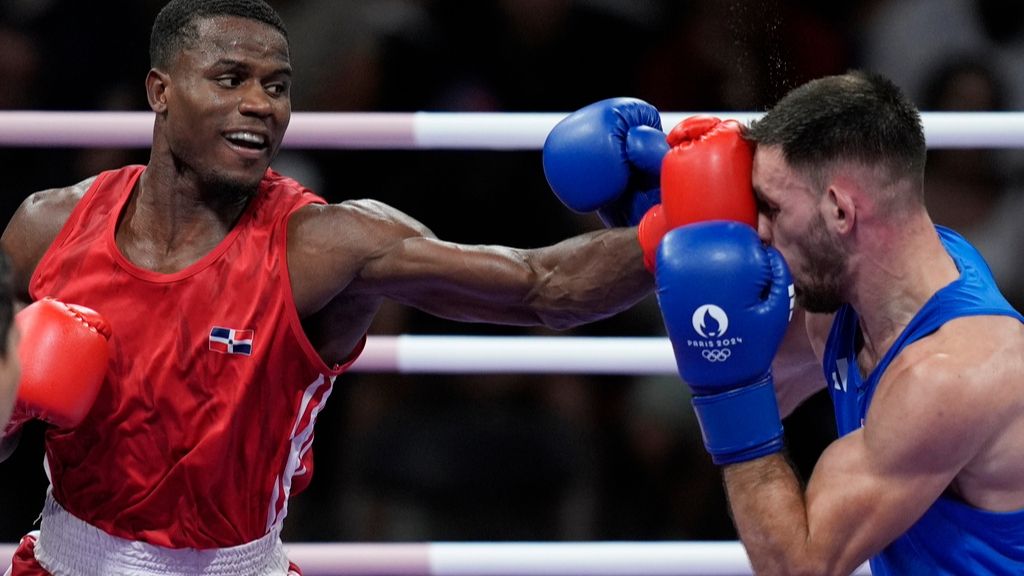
column 301, row 441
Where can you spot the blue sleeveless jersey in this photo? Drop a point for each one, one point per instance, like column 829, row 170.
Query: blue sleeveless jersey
column 952, row 537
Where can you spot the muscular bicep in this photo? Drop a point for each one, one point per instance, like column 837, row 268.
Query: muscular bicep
column 366, row 249
column 363, row 251
column 578, row 280
column 872, row 485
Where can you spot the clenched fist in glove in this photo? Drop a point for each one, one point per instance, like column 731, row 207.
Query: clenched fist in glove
column 606, row 157
column 63, row 353
column 726, row 300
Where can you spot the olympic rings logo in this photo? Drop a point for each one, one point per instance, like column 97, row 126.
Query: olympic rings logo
column 716, row 354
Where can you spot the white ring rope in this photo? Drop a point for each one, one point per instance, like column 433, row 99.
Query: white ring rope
column 518, row 559
column 436, row 130
column 409, row 354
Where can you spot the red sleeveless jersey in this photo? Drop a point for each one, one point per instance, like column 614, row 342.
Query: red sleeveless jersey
column 204, row 426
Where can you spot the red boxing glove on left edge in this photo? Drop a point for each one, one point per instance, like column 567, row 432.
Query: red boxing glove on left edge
column 63, row 353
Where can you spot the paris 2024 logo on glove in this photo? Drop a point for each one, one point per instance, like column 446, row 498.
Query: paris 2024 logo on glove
column 711, row 324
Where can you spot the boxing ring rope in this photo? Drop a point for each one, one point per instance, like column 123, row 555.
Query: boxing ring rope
column 415, row 354
column 436, row 130
column 519, row 559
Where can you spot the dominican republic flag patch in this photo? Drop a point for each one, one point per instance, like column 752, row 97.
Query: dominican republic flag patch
column 231, row 341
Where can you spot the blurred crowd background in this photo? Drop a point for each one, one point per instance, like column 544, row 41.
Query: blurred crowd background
column 512, row 457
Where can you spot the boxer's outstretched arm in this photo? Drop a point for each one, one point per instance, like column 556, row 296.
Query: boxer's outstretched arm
column 579, row 280
column 365, row 249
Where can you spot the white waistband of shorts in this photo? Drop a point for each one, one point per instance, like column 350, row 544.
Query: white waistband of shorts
column 68, row 545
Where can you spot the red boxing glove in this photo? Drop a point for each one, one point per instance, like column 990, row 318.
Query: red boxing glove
column 705, row 176
column 653, row 227
column 63, row 354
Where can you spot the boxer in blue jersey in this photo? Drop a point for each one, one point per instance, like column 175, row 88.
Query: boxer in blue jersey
column 922, row 355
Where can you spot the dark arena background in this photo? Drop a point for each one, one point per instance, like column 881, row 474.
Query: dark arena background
column 522, row 457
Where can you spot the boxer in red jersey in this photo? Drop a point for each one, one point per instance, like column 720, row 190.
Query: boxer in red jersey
column 203, row 427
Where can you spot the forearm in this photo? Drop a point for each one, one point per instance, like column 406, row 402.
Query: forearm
column 770, row 514
column 725, row 299
column 588, row 277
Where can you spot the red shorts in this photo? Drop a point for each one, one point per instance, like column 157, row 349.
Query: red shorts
column 24, row 562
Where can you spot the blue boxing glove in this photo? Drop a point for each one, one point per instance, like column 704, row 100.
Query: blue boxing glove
column 606, row 157
column 726, row 299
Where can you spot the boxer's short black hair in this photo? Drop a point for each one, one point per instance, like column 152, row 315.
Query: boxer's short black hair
column 856, row 116
column 175, row 26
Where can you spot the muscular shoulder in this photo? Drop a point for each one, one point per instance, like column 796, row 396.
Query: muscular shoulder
column 979, row 349
column 34, row 226
column 359, row 215
column 330, row 245
column 987, row 352
column 350, row 231
column 952, row 405
column 963, row 379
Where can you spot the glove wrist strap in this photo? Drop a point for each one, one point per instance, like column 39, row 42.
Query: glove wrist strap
column 740, row 424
